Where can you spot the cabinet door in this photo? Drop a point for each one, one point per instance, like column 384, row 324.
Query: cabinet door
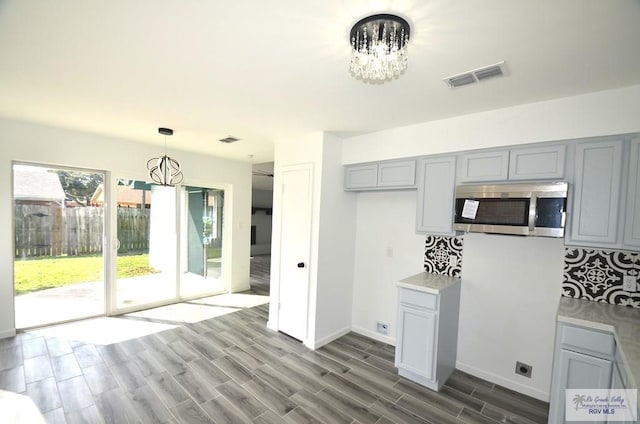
column 536, row 163
column 436, row 190
column 596, row 192
column 577, row 371
column 397, row 174
column 360, row 176
column 632, row 221
column 490, row 166
column 416, row 341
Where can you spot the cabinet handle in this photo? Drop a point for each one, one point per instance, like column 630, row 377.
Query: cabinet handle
column 300, row 264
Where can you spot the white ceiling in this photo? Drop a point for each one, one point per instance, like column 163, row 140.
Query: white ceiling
column 262, row 70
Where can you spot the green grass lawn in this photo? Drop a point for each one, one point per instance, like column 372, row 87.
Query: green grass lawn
column 38, row 274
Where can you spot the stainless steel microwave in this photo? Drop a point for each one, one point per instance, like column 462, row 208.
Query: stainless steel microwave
column 530, row 209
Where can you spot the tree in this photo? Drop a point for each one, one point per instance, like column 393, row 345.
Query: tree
column 79, row 185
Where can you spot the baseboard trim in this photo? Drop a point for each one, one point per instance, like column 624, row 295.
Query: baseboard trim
column 509, row 384
column 7, row 333
column 331, row 337
column 375, row 336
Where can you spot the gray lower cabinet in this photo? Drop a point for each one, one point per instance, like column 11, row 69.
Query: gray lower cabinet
column 436, row 190
column 418, row 335
column 427, row 335
column 616, row 378
column 584, row 359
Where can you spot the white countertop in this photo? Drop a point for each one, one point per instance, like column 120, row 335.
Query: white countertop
column 428, row 282
column 622, row 321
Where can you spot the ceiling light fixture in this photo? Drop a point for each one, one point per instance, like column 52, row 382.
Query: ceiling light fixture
column 379, row 47
column 165, row 170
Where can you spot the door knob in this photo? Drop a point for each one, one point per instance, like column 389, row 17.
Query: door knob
column 300, row 264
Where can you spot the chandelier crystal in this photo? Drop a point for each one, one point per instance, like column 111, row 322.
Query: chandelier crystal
column 379, row 47
column 165, row 170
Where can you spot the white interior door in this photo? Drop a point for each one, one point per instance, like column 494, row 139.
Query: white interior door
column 295, row 244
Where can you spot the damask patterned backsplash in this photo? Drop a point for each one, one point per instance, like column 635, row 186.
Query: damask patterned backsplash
column 438, row 252
column 597, row 275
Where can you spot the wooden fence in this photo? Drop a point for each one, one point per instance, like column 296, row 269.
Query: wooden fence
column 49, row 230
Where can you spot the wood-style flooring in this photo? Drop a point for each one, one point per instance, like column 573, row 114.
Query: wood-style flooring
column 232, row 369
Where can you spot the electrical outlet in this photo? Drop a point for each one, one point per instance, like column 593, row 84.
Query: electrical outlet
column 523, row 369
column 382, row 328
column 453, row 261
column 629, row 283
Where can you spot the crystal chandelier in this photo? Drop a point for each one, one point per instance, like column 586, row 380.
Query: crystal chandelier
column 379, row 47
column 164, row 170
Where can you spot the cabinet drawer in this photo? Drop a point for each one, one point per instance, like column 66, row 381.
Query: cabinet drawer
column 419, row 299
column 588, row 341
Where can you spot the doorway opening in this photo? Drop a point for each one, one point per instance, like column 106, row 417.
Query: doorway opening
column 201, row 242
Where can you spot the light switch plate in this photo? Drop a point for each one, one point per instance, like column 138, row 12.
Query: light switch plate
column 629, row 283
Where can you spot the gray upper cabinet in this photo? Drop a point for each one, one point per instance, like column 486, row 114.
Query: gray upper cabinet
column 632, row 221
column 484, row 166
column 395, row 174
column 436, row 187
column 537, row 163
column 360, row 176
column 596, row 192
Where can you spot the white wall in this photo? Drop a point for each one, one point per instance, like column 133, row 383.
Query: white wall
column 332, row 235
column 336, row 247
column 595, row 114
column 386, row 250
column 510, row 291
column 23, row 141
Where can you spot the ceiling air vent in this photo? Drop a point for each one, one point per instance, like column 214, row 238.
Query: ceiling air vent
column 230, row 139
column 476, row 75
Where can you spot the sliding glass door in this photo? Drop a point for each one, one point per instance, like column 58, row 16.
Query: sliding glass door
column 148, row 249
column 160, row 255
column 58, row 226
column 146, row 244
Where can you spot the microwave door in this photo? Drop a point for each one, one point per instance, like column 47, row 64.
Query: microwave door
column 496, row 215
column 550, row 216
